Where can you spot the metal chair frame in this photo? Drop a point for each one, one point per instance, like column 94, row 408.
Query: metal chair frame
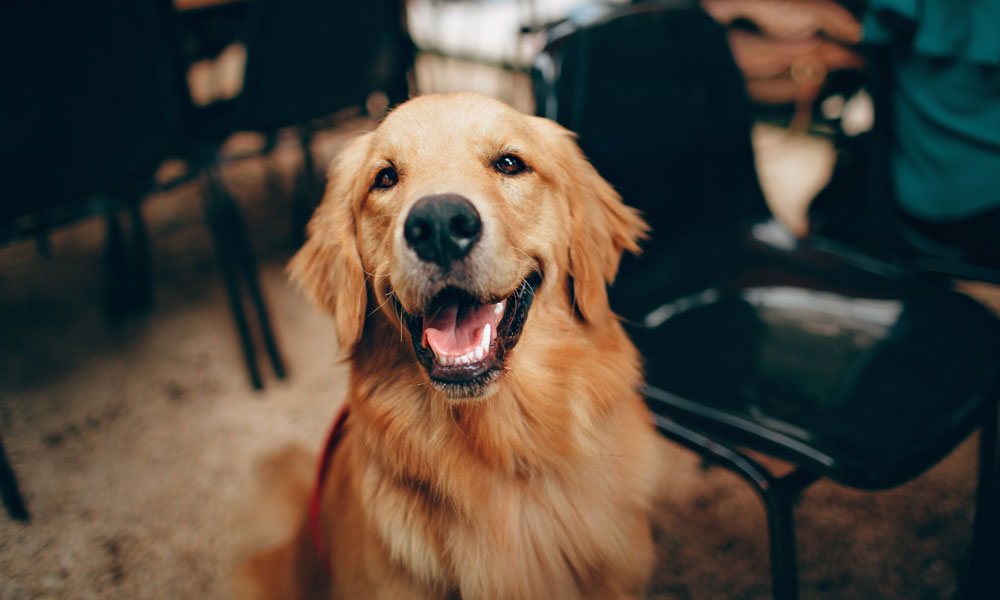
column 717, row 435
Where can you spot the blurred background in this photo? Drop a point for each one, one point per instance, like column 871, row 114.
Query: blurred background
column 161, row 159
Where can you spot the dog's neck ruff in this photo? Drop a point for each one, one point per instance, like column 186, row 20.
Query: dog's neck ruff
column 315, row 501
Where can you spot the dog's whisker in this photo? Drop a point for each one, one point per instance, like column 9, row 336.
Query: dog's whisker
column 534, row 264
column 390, row 295
column 379, row 307
column 402, row 327
column 371, row 275
column 526, row 255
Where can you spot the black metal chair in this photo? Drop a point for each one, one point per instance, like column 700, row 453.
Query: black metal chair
column 99, row 101
column 305, row 60
column 91, row 109
column 845, row 366
column 89, row 112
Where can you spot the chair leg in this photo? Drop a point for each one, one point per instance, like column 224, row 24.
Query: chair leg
column 12, row 498
column 117, row 265
column 128, row 259
column 239, row 267
column 778, row 496
column 248, row 266
column 986, row 526
column 779, row 499
column 224, row 224
column 781, row 534
column 142, row 272
column 307, row 192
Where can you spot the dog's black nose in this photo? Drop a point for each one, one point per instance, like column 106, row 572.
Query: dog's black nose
column 442, row 228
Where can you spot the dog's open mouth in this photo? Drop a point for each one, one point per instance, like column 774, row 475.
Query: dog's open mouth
column 461, row 341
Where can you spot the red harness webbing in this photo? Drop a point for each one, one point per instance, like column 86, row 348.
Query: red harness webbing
column 315, row 532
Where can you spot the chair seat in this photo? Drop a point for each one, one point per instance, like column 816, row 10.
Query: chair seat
column 842, row 365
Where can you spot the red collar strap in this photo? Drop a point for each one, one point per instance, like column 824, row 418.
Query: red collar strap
column 315, row 531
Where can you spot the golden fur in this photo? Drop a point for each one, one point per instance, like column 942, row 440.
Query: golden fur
column 540, row 486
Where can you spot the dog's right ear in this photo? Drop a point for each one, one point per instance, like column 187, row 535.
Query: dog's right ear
column 602, row 227
column 328, row 267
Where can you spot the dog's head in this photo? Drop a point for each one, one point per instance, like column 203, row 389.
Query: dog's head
column 450, row 220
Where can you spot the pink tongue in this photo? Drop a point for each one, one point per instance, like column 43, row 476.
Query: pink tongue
column 456, row 329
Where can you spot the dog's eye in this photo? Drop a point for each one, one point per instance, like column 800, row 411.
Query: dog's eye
column 386, row 178
column 509, row 164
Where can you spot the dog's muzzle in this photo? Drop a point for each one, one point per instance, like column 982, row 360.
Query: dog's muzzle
column 460, row 337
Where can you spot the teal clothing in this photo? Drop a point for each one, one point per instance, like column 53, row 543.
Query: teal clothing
column 945, row 63
column 966, row 30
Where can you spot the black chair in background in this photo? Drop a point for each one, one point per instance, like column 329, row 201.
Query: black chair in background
column 91, row 107
column 197, row 34
column 305, row 60
column 845, row 366
column 98, row 99
column 90, row 110
column 9, row 491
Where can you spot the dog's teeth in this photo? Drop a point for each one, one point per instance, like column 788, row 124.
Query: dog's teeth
column 484, row 340
column 498, row 307
column 472, row 356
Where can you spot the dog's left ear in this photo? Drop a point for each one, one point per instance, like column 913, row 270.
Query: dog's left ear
column 602, row 226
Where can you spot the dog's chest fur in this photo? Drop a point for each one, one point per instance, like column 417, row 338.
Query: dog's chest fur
column 510, row 496
column 547, row 484
column 515, row 535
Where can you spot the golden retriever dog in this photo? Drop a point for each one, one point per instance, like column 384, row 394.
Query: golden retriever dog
column 495, row 445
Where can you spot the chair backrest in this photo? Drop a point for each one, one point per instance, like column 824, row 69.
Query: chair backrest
column 90, row 99
column 306, row 59
column 661, row 111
